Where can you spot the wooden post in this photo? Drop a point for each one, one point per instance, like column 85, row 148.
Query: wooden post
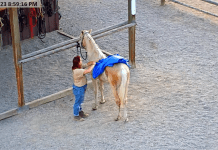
column 131, row 19
column 15, row 34
column 162, row 2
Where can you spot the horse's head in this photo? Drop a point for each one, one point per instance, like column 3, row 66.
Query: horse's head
column 88, row 43
column 82, row 37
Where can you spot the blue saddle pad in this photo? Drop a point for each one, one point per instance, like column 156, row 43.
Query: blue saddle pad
column 109, row 61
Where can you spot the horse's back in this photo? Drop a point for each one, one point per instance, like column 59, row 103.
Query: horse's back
column 117, row 72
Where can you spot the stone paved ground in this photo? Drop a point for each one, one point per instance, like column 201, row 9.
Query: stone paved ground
column 172, row 98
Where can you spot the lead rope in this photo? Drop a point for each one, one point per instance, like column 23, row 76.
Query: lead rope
column 79, row 49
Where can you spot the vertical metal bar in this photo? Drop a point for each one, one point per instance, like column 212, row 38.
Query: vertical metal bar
column 15, row 34
column 131, row 18
column 162, row 2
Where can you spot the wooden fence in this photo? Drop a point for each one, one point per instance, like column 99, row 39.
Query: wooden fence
column 183, row 4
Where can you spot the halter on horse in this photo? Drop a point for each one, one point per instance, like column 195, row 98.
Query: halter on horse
column 118, row 76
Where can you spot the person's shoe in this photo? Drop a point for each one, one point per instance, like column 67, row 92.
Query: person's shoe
column 78, row 118
column 83, row 115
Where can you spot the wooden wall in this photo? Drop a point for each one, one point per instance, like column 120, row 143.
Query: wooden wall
column 52, row 23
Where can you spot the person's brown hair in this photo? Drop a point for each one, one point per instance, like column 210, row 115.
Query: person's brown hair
column 76, row 61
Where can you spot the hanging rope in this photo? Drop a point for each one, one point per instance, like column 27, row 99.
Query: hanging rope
column 22, row 19
column 41, row 23
column 5, row 20
column 49, row 8
column 193, row 8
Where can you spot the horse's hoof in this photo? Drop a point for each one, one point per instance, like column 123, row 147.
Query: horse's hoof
column 95, row 108
column 118, row 118
column 126, row 120
column 102, row 102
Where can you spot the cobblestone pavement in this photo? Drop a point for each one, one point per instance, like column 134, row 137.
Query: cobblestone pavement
column 173, row 92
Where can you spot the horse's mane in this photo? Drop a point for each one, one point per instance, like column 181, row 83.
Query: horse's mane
column 95, row 46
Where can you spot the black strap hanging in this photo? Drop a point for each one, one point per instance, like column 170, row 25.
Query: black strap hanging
column 22, row 19
column 57, row 10
column 5, row 20
column 81, row 53
column 41, row 25
column 49, row 8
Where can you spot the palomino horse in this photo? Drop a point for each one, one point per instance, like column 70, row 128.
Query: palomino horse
column 118, row 76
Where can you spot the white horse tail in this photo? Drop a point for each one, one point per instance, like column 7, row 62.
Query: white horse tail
column 123, row 88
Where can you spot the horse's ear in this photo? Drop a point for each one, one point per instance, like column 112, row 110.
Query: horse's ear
column 90, row 31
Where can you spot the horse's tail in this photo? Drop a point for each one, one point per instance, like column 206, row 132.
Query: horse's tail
column 123, row 88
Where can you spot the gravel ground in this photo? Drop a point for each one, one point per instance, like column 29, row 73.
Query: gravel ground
column 173, row 92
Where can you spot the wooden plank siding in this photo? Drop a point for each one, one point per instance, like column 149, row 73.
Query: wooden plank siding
column 52, row 24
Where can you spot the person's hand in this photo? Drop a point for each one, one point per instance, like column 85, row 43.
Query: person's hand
column 91, row 63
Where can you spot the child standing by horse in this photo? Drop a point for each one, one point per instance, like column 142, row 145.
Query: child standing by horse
column 79, row 86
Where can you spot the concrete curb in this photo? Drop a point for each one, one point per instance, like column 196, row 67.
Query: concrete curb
column 41, row 101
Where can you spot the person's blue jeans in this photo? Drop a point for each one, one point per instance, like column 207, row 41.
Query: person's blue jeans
column 79, row 93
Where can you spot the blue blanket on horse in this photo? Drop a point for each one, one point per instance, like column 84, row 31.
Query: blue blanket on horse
column 109, row 61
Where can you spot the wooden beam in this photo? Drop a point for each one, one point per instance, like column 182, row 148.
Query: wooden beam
column 61, row 48
column 15, row 34
column 48, row 53
column 115, row 30
column 131, row 19
column 109, row 28
column 72, row 41
column 68, row 35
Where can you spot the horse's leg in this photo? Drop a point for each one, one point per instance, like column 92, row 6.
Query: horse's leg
column 125, row 98
column 95, row 84
column 117, row 99
column 125, row 107
column 125, row 113
column 102, row 94
column 119, row 115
